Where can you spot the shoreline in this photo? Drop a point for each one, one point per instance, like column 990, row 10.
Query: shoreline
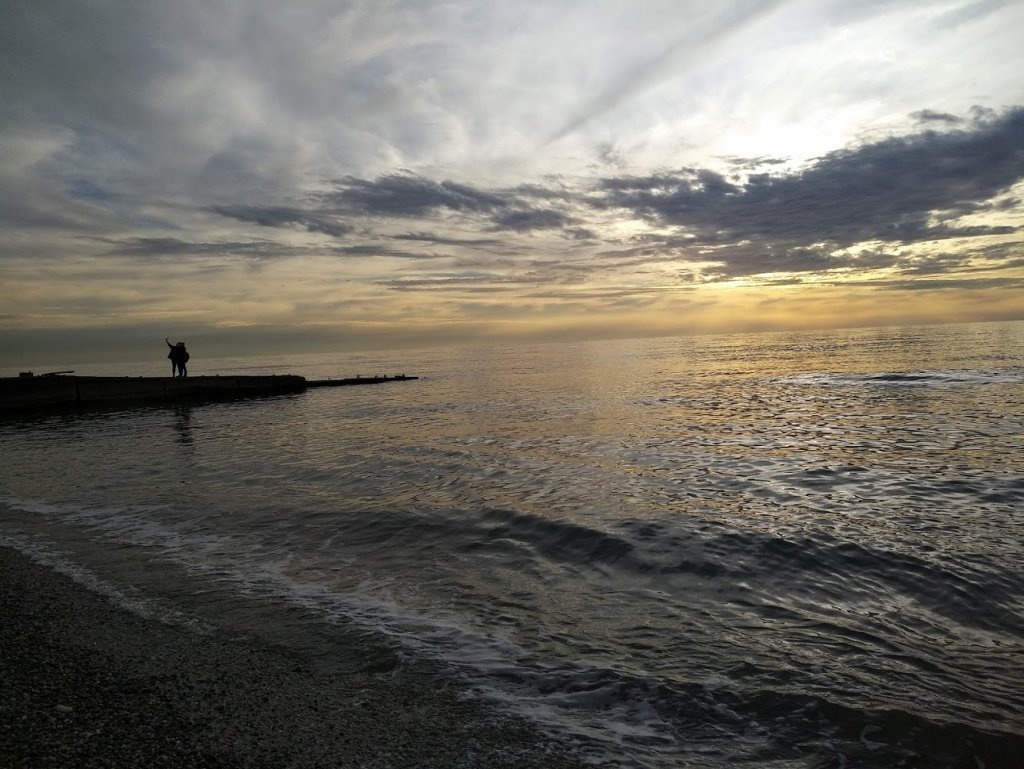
column 88, row 684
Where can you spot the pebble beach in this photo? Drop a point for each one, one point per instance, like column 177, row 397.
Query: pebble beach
column 84, row 683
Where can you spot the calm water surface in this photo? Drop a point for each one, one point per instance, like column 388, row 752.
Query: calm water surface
column 785, row 550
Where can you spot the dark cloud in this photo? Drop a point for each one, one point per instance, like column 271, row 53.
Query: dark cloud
column 890, row 191
column 931, row 116
column 749, row 164
column 411, row 196
column 426, row 237
column 284, row 216
column 688, row 183
column 407, row 195
column 523, row 220
column 371, row 249
column 580, row 233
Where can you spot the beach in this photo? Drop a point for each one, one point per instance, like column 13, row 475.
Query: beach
column 84, row 683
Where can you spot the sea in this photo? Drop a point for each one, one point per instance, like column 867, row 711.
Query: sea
column 796, row 549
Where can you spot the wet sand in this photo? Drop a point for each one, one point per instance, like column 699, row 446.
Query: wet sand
column 84, row 683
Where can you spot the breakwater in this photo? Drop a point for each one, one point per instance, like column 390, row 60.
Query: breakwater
column 31, row 392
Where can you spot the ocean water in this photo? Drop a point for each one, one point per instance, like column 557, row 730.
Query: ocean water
column 765, row 550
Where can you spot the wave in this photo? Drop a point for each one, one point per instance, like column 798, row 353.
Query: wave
column 935, row 378
column 132, row 601
column 981, row 593
column 715, row 724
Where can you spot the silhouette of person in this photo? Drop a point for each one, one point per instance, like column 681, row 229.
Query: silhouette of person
column 179, row 357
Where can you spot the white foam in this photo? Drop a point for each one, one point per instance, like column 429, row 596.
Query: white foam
column 47, row 555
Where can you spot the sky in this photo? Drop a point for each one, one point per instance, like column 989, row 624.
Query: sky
column 256, row 176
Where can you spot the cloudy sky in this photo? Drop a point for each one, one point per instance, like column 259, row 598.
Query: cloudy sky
column 324, row 174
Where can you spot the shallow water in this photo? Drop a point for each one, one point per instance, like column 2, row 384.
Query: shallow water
column 781, row 549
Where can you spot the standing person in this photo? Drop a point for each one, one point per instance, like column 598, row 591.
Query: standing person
column 179, row 357
column 183, row 357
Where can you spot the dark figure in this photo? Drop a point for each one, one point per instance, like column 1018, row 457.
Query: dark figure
column 179, row 357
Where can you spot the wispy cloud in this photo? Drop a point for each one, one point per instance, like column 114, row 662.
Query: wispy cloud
column 704, row 33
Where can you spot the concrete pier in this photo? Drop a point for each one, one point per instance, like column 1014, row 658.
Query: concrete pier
column 43, row 392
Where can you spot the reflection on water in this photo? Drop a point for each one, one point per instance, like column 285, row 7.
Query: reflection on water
column 711, row 550
column 183, row 424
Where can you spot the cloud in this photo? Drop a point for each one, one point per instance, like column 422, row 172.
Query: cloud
column 699, row 41
column 750, row 164
column 410, row 196
column 427, row 237
column 931, row 116
column 524, row 220
column 379, row 250
column 285, row 216
column 891, row 190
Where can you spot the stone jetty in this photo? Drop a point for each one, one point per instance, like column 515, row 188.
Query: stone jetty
column 62, row 391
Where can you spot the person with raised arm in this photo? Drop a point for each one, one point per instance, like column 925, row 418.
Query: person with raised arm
column 179, row 357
